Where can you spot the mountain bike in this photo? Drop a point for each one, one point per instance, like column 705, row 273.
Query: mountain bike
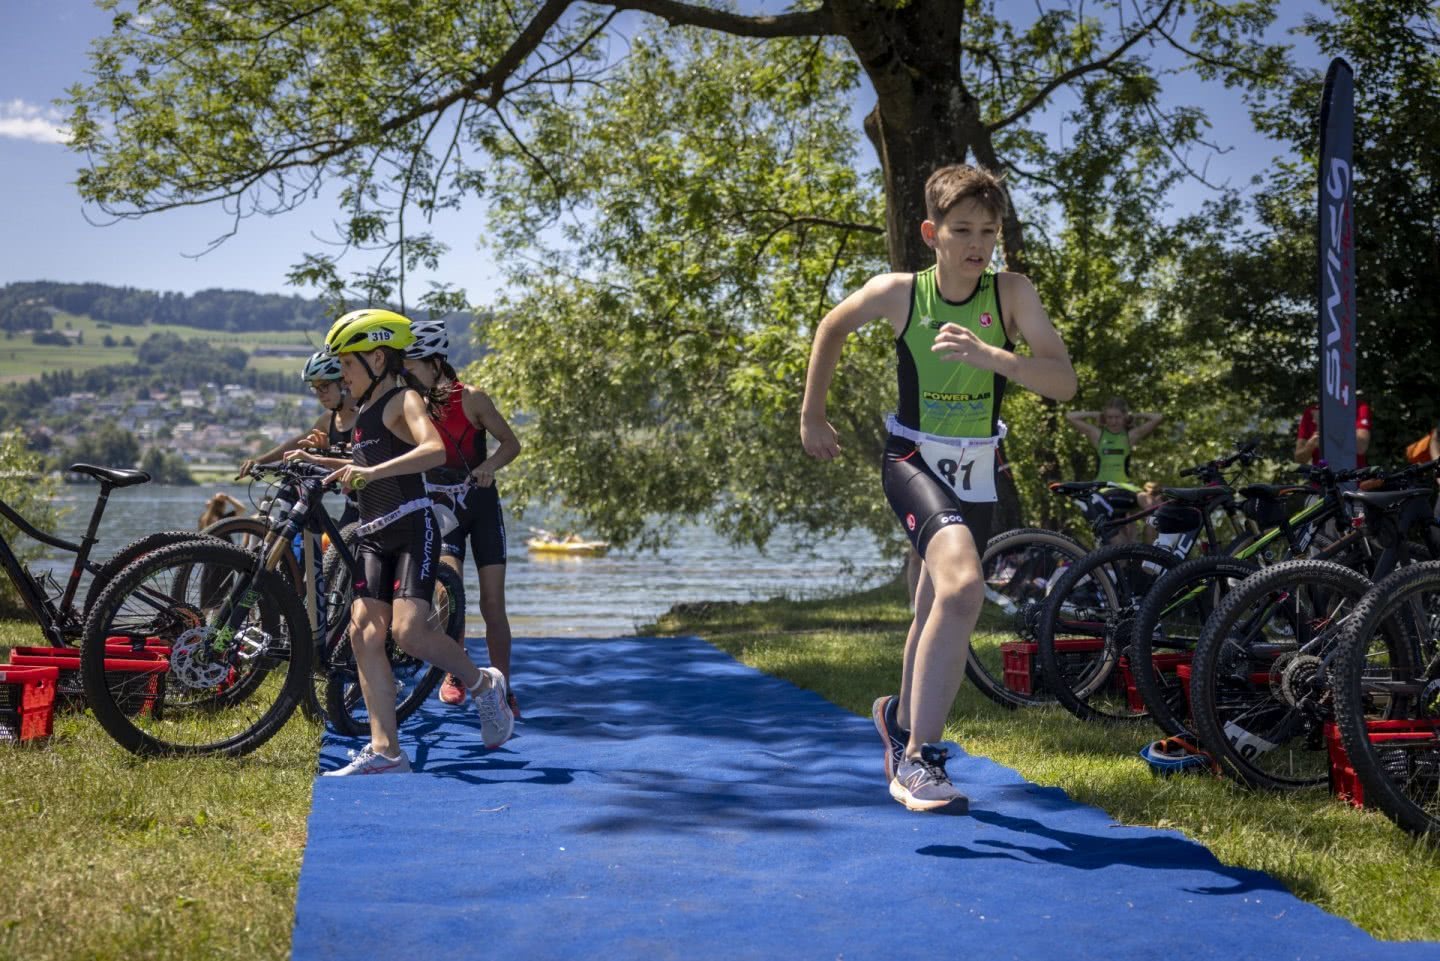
column 240, row 648
column 52, row 604
column 334, row 695
column 1174, row 611
column 1021, row 569
column 1086, row 624
column 1260, row 679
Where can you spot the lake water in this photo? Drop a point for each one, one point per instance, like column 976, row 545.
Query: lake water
column 555, row 596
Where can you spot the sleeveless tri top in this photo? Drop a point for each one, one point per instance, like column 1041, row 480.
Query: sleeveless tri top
column 939, row 396
column 464, row 443
column 375, row 444
column 338, row 436
column 1114, row 453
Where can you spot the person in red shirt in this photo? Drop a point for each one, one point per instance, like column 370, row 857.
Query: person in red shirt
column 1307, row 441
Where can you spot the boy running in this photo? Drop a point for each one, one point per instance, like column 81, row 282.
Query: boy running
column 955, row 325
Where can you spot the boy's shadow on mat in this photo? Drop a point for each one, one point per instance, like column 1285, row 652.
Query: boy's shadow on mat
column 1089, row 852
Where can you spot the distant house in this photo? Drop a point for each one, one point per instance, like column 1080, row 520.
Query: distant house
column 191, row 398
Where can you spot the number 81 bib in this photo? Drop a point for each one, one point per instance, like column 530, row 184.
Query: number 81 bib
column 968, row 471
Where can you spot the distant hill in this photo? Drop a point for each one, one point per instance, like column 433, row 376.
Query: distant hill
column 23, row 306
column 102, row 325
column 32, row 305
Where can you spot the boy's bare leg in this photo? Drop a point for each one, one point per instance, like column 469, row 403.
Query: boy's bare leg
column 924, row 597
column 942, row 639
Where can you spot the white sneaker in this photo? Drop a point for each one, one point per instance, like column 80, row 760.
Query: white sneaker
column 368, row 761
column 921, row 784
column 497, row 722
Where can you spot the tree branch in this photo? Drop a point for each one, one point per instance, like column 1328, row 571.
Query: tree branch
column 1080, row 70
column 809, row 23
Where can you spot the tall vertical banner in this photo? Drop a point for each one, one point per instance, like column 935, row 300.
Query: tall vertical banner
column 1337, row 269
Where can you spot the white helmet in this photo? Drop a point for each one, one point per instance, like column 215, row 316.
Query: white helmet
column 322, row 365
column 431, row 339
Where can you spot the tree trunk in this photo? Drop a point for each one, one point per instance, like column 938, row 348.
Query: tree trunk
column 924, row 118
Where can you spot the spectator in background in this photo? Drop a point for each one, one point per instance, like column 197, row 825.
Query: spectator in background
column 1307, row 439
column 220, row 506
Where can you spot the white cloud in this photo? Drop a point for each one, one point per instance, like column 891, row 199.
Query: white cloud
column 28, row 121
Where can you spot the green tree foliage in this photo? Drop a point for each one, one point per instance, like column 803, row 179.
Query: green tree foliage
column 166, row 467
column 106, row 446
column 1261, row 278
column 678, row 205
column 26, row 489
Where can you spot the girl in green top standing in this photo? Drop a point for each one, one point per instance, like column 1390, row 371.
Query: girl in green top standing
column 1115, row 431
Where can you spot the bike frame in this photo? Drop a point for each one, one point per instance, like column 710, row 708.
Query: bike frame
column 54, row 619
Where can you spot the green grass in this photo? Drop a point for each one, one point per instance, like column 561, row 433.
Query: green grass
column 22, row 360
column 108, row 856
column 1350, row 862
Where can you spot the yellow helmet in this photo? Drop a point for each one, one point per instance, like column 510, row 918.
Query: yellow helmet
column 367, row 329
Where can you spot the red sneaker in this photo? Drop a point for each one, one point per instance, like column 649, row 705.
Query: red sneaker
column 451, row 690
column 514, row 704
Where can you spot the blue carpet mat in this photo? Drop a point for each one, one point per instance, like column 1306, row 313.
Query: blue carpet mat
column 662, row 800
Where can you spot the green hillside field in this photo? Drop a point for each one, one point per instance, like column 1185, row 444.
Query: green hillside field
column 22, row 360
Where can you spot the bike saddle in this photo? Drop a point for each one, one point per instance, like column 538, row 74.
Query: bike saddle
column 113, row 476
column 1072, row 488
column 1198, row 496
column 1274, row 491
column 1388, row 500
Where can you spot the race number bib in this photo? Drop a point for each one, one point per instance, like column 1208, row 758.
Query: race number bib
column 968, row 471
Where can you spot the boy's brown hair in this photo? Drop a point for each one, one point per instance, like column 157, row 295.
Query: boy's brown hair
column 952, row 185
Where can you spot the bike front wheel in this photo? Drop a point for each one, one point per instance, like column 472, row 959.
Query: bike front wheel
column 1167, row 628
column 193, row 649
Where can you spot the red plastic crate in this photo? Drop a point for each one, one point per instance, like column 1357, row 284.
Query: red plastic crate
column 27, row 702
column 121, row 661
column 1343, row 781
column 1166, row 664
column 1022, row 666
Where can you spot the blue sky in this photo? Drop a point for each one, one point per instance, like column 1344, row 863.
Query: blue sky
column 43, row 46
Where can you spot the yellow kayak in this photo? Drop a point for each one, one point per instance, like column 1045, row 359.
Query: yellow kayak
column 541, row 545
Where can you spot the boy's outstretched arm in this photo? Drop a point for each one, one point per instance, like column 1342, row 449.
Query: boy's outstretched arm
column 886, row 295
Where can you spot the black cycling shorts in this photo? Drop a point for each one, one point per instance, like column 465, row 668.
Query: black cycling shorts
column 923, row 502
column 399, row 559
column 481, row 524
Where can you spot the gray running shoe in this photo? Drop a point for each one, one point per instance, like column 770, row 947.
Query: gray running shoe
column 895, row 737
column 921, row 784
column 497, row 722
column 368, row 761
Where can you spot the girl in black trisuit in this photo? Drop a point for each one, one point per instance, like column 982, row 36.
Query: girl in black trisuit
column 395, row 441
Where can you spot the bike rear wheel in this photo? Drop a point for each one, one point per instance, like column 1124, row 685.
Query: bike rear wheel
column 1388, row 711
column 1086, row 626
column 1020, row 568
column 217, row 652
column 1258, row 682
